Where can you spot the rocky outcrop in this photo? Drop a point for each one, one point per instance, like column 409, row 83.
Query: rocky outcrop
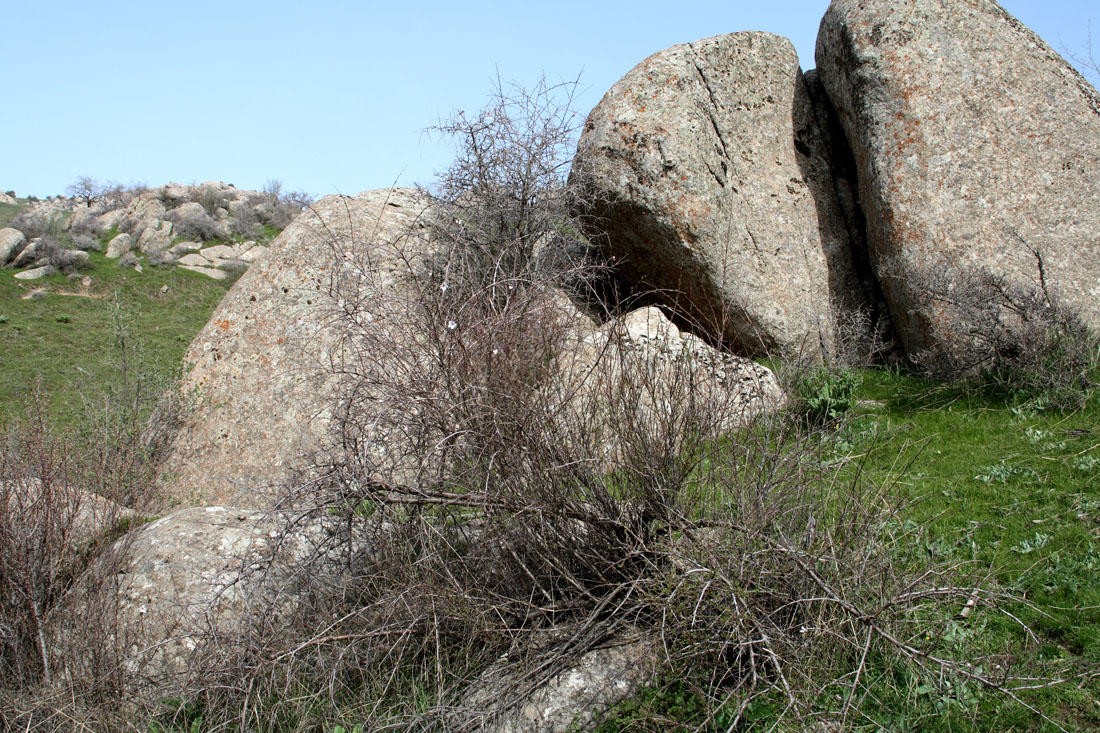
column 977, row 146
column 261, row 367
column 147, row 209
column 708, row 181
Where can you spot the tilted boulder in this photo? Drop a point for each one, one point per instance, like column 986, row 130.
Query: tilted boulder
column 977, row 147
column 705, row 167
column 118, row 246
column 10, row 242
column 261, row 372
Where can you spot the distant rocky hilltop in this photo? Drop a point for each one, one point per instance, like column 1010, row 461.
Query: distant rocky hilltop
column 208, row 228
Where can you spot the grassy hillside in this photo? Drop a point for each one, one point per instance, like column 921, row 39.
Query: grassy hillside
column 66, row 337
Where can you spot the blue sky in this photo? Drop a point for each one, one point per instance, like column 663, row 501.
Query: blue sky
column 330, row 96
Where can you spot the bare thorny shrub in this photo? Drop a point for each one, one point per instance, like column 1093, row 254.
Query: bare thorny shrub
column 61, row 649
column 491, row 485
column 67, row 498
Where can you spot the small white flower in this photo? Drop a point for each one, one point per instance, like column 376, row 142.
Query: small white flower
column 452, row 325
column 443, row 287
column 496, row 351
column 142, row 609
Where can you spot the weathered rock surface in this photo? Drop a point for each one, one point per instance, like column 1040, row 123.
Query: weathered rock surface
column 260, row 374
column 187, row 574
column 156, row 236
column 968, row 130
column 567, row 701
column 191, row 208
column 143, row 210
column 119, row 245
column 706, row 168
column 111, row 219
column 643, row 360
column 206, row 269
column 10, row 242
column 194, row 259
column 6, row 199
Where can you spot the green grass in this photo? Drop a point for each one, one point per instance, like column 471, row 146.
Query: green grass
column 1012, row 496
column 1013, row 493
column 67, row 340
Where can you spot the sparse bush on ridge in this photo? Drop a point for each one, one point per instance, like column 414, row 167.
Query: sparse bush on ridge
column 194, row 226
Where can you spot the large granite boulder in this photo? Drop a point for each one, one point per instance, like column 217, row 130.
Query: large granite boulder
column 706, row 169
column 262, row 376
column 977, row 146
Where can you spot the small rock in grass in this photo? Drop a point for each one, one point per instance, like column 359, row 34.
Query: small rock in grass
column 35, row 273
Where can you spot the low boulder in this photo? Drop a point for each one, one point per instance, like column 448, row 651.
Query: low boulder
column 184, row 578
column 502, row 699
column 648, row 370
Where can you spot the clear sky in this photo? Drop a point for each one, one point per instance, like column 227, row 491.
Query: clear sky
column 331, row 96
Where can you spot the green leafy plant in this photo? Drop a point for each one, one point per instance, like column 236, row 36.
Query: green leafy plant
column 1002, row 472
column 824, row 395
